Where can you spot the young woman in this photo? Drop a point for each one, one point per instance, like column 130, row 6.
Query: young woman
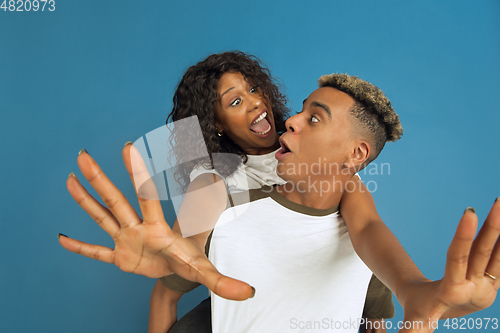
column 241, row 112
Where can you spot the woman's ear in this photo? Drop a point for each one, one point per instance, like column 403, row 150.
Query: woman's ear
column 218, row 127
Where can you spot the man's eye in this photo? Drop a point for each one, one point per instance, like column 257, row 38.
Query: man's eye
column 235, row 102
column 314, row 119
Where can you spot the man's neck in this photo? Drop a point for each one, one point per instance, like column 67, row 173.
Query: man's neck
column 320, row 195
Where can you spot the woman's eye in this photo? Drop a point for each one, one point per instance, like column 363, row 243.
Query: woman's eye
column 235, row 102
column 253, row 89
column 314, row 119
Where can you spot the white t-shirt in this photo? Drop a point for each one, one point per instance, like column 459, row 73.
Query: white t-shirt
column 282, row 241
column 300, row 260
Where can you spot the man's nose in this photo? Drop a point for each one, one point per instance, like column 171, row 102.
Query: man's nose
column 292, row 124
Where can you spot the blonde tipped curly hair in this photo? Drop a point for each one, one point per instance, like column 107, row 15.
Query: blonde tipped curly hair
column 372, row 109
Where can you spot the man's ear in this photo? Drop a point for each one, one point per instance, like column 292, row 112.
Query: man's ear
column 358, row 156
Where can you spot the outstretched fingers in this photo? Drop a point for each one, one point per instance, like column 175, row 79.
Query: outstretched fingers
column 96, row 211
column 493, row 224
column 459, row 250
column 110, row 194
column 96, row 252
column 493, row 267
column 147, row 194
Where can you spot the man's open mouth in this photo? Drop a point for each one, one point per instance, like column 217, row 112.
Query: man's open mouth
column 261, row 124
column 284, row 151
column 284, row 147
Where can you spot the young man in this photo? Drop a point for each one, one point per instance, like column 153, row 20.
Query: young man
column 312, row 168
column 332, row 126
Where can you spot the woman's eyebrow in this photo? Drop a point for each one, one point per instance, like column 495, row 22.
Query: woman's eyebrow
column 226, row 92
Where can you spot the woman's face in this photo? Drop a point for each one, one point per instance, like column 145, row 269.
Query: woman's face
column 243, row 113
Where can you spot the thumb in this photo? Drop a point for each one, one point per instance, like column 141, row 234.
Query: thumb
column 225, row 286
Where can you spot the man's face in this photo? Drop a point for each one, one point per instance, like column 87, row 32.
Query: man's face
column 319, row 139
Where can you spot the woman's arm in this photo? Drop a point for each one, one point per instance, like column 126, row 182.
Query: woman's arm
column 162, row 308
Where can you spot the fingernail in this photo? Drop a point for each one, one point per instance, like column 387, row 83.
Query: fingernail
column 253, row 292
column 469, row 209
column 72, row 175
column 128, row 143
column 59, row 235
column 82, row 151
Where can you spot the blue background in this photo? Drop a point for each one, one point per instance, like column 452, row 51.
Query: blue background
column 95, row 74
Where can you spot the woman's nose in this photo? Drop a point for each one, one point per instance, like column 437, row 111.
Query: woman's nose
column 255, row 100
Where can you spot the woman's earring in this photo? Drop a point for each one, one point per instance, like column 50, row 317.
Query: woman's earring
column 219, row 133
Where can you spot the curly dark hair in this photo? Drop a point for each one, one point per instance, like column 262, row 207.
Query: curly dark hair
column 372, row 110
column 196, row 95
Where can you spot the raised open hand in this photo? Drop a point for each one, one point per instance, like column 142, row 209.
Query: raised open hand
column 470, row 282
column 471, row 279
column 146, row 247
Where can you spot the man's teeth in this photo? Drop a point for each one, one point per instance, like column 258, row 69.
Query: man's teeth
column 262, row 116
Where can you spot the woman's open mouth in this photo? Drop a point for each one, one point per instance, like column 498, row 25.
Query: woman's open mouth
column 261, row 125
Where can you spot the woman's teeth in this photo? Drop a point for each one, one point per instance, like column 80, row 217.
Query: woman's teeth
column 266, row 131
column 262, row 116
